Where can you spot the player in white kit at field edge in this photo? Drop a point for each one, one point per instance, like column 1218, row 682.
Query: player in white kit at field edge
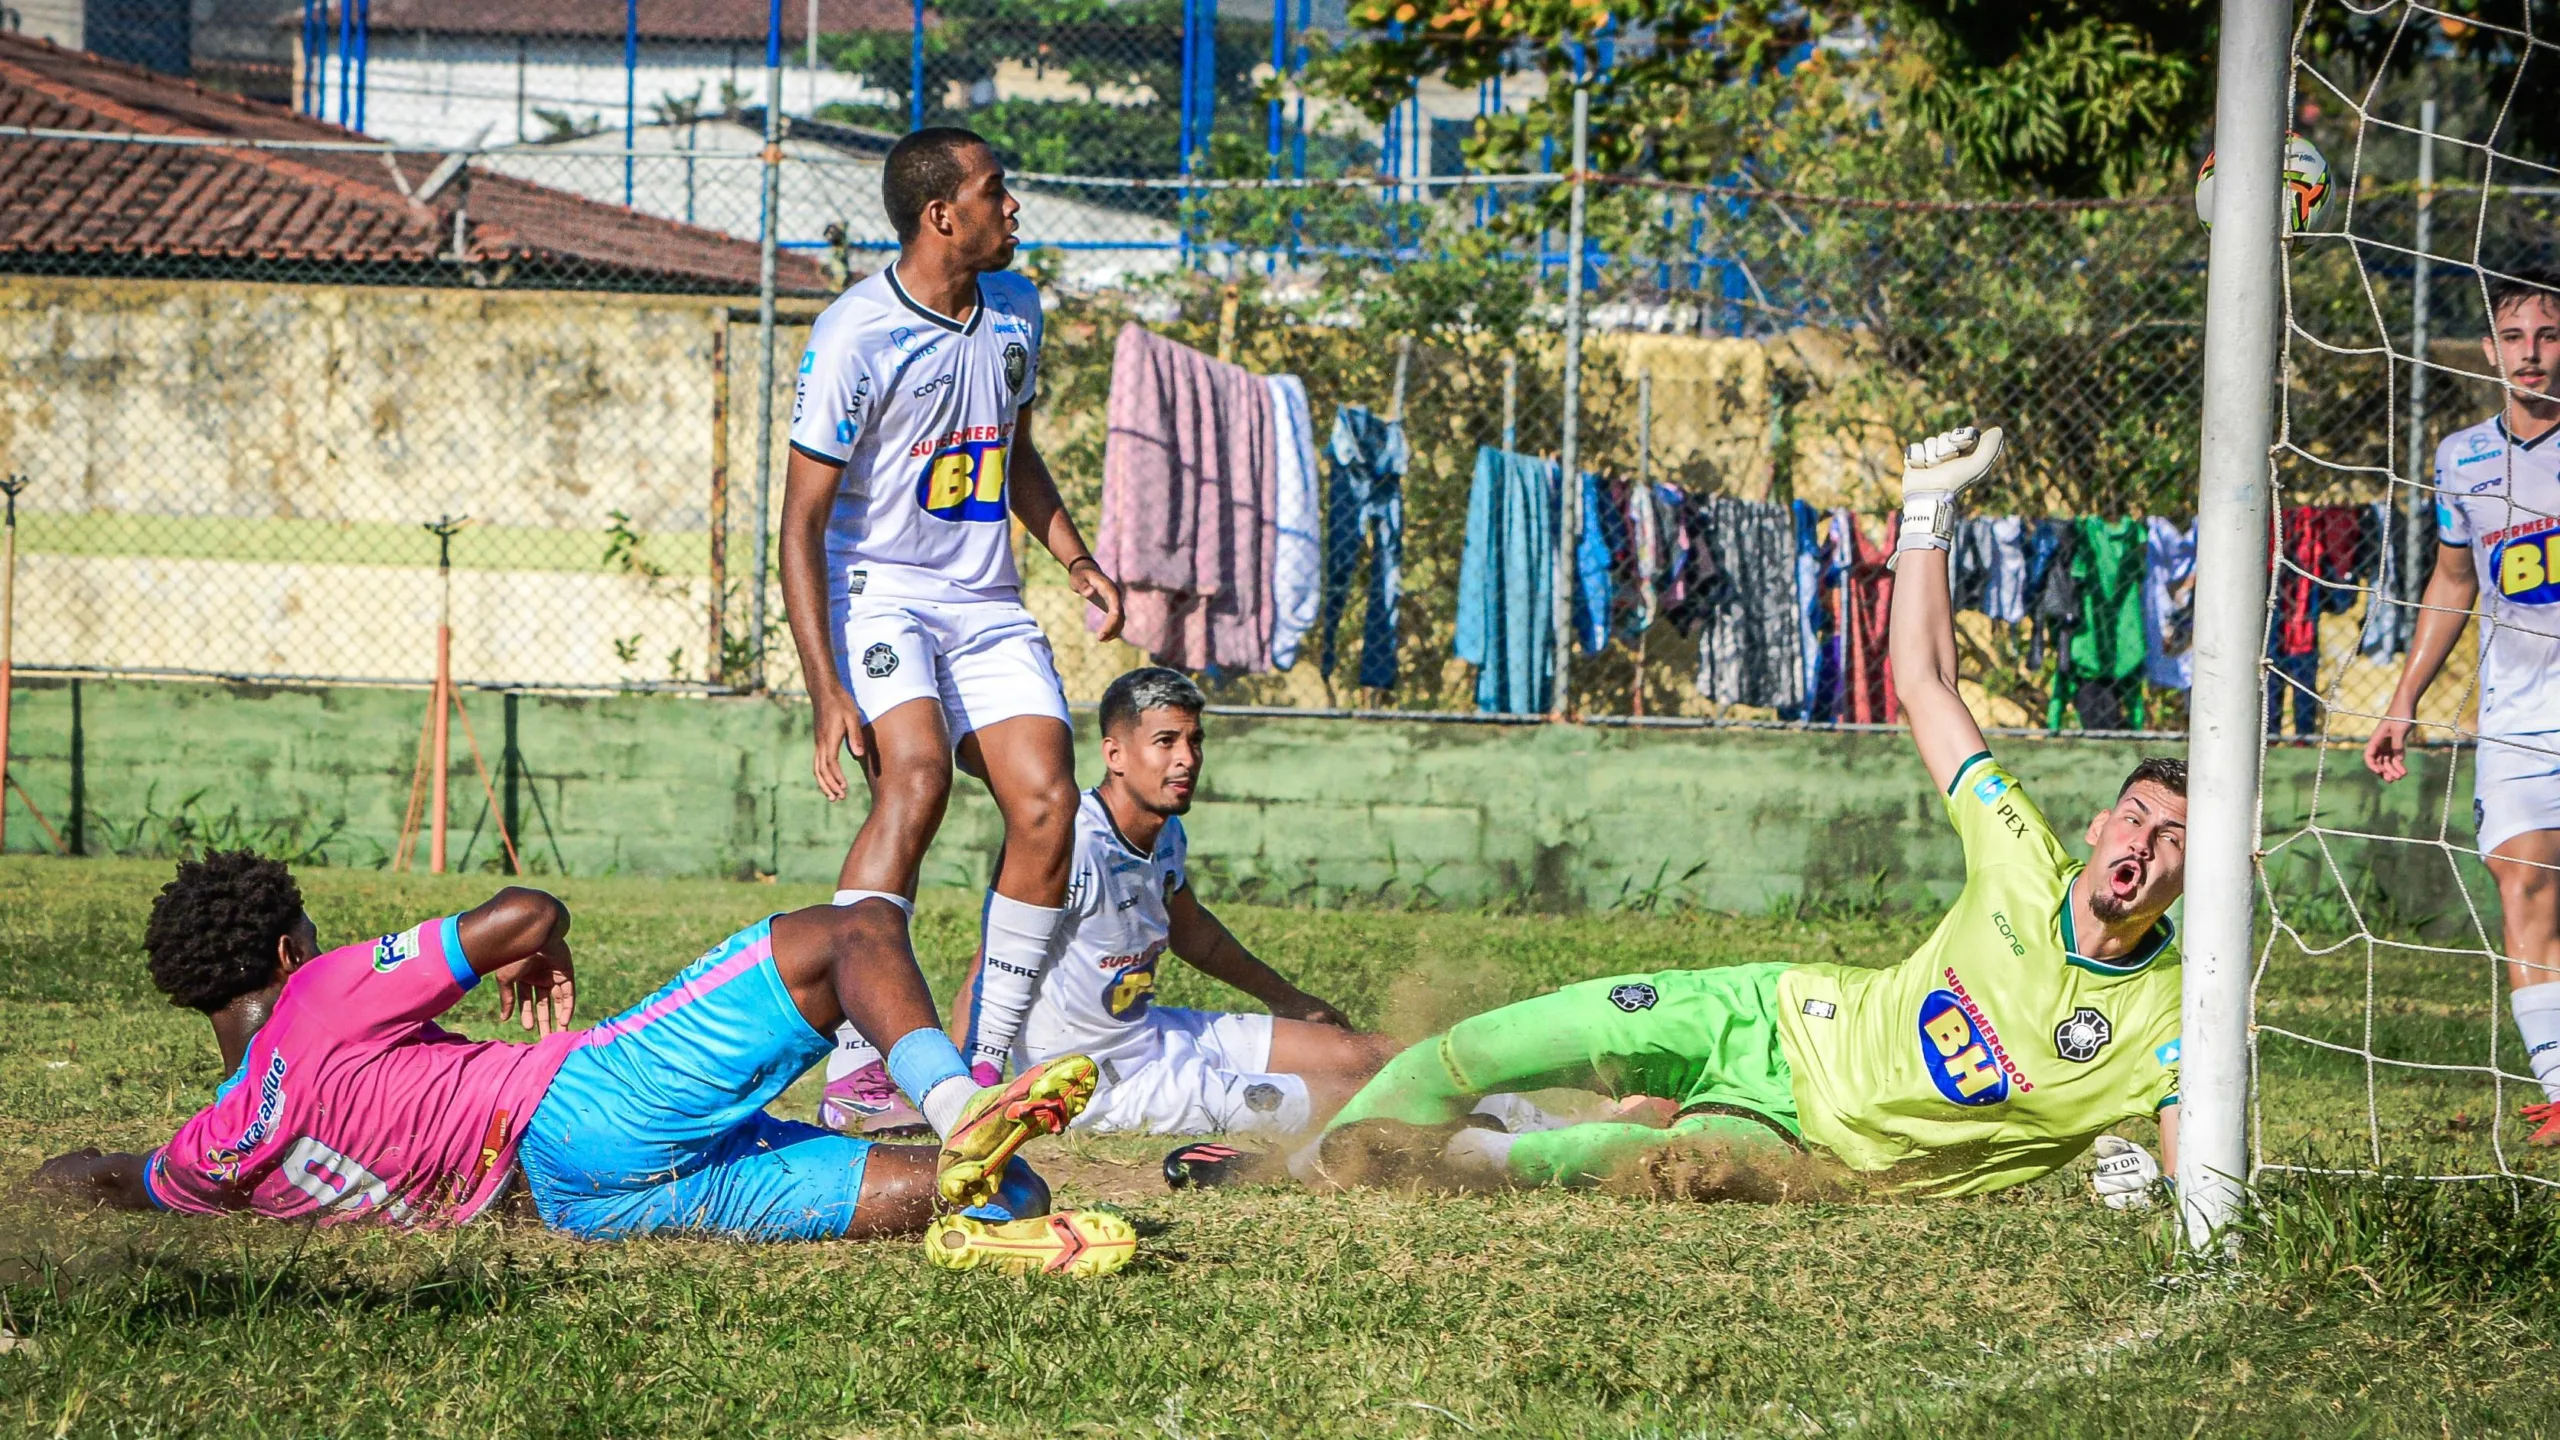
column 911, row 451
column 1166, row 1070
column 2498, row 528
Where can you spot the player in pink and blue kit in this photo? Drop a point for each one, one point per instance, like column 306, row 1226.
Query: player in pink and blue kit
column 347, row 1102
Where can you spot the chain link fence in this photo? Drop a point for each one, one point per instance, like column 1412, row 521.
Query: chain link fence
column 259, row 367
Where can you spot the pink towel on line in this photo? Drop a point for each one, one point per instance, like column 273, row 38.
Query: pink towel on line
column 1190, row 485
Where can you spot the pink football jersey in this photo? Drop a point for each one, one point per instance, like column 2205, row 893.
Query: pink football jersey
column 352, row 1106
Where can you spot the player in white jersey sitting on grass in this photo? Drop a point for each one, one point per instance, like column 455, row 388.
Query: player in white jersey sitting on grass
column 1166, row 1070
column 911, row 449
column 2041, row 1013
column 2498, row 518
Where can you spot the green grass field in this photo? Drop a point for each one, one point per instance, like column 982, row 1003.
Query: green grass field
column 2364, row 1309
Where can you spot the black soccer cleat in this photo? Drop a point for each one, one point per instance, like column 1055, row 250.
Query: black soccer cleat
column 1206, row 1165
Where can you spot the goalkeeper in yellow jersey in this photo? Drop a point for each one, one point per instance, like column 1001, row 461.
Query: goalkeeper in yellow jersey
column 2041, row 1013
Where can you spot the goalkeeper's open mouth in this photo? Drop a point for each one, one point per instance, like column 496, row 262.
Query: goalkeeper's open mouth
column 2124, row 880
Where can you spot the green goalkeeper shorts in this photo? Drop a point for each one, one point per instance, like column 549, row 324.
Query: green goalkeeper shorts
column 1704, row 1038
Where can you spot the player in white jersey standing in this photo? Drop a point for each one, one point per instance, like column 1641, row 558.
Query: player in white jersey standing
column 911, row 448
column 1166, row 1070
column 2498, row 526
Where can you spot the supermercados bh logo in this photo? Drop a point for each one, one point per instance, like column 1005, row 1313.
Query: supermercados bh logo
column 222, row 1163
column 1131, row 985
column 390, row 950
column 1962, row 1052
column 2525, row 559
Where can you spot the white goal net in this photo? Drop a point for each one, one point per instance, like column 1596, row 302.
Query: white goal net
column 2382, row 1039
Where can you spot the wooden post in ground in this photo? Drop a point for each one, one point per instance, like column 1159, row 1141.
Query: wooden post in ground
column 443, row 529
column 715, row 668
column 8, row 633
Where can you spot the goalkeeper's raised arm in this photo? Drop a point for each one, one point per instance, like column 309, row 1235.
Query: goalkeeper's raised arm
column 1922, row 634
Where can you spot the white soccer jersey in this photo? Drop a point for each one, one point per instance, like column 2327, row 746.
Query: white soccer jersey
column 919, row 409
column 1095, row 996
column 2503, row 500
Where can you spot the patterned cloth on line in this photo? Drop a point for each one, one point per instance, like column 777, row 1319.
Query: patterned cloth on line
column 1190, row 473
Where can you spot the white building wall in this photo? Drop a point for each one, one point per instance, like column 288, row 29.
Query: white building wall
column 56, row 20
column 431, row 89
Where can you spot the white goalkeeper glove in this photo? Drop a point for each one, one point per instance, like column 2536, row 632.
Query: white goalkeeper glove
column 1935, row 472
column 2126, row 1174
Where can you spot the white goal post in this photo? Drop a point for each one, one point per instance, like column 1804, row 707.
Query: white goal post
column 2243, row 309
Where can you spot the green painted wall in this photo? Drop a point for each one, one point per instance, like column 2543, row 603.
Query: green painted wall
column 1317, row 811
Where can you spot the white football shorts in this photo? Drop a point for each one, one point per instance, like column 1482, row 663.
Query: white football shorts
column 1205, row 1073
column 2516, row 788
column 984, row 660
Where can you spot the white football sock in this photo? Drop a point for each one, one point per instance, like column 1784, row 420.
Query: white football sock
column 2537, row 1010
column 852, row 1052
column 1515, row 1114
column 1019, row 941
column 853, row 897
column 1481, row 1155
column 942, row 1104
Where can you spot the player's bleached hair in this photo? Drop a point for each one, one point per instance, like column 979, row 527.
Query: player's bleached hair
column 213, row 931
column 2160, row 770
column 2533, row 282
column 927, row 165
column 1149, row 687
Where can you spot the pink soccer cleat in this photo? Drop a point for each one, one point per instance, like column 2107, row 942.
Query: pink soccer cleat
column 867, row 1103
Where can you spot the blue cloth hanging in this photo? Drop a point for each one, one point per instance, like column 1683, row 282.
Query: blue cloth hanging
column 1594, row 569
column 1506, row 582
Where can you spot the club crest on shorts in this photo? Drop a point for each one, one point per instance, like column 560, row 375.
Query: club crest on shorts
column 1633, row 997
column 2082, row 1036
column 1262, row 1097
column 880, row 662
column 1017, row 365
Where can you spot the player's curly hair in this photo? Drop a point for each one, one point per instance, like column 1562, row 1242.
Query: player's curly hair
column 213, row 931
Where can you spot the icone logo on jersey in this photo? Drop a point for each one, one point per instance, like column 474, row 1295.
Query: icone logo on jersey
column 1962, row 1052
column 1993, row 784
column 2526, row 561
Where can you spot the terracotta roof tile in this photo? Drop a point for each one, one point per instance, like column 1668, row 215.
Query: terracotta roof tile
column 78, row 204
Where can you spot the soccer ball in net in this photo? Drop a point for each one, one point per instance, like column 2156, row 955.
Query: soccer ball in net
column 2306, row 185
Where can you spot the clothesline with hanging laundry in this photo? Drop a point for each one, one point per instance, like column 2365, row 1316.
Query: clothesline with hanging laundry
column 1228, row 546
column 1789, row 603
column 1239, row 542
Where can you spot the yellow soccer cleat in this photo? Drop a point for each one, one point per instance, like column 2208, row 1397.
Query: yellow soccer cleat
column 1000, row 1118
column 1070, row 1242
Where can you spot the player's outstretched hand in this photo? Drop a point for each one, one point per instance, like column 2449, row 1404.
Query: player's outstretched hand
column 2126, row 1173
column 1100, row 591
column 2387, row 753
column 540, row 991
column 839, row 729
column 1945, row 464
